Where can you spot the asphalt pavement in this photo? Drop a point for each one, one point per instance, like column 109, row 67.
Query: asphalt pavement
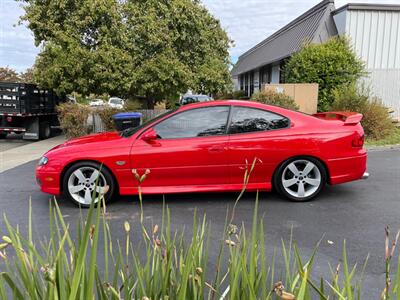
column 357, row 212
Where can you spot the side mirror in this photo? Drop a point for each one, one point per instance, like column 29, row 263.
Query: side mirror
column 149, row 136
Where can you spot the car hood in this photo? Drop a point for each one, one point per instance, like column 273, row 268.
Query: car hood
column 104, row 137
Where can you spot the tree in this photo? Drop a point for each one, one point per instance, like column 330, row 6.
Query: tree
column 8, row 74
column 27, row 76
column 331, row 65
column 152, row 49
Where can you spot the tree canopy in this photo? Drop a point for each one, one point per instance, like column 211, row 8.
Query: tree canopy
column 331, row 65
column 10, row 75
column 153, row 49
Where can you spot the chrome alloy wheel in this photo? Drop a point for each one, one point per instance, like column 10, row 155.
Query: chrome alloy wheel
column 86, row 183
column 301, row 178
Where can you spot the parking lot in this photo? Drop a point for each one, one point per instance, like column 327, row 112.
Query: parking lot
column 357, row 212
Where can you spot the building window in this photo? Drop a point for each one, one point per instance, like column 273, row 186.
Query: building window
column 251, row 83
column 265, row 75
column 246, row 84
column 241, row 79
column 282, row 78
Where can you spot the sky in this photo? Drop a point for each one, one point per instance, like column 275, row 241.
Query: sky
column 247, row 22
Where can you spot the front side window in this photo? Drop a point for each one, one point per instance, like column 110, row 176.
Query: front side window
column 198, row 122
column 246, row 119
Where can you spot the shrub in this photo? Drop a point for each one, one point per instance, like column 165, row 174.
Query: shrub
column 105, row 114
column 132, row 105
column 376, row 122
column 273, row 98
column 232, row 95
column 73, row 119
column 331, row 65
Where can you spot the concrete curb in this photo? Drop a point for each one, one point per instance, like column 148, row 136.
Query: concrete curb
column 383, row 148
column 17, row 156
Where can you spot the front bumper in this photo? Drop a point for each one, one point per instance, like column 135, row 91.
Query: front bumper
column 49, row 182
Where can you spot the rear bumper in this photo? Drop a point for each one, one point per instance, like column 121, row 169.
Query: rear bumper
column 49, row 182
column 347, row 169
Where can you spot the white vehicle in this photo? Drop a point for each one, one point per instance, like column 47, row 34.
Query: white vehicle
column 97, row 102
column 116, row 102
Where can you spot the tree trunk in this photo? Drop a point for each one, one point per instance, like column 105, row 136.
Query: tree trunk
column 150, row 103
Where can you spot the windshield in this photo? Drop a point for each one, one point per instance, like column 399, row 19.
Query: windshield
column 195, row 98
column 202, row 98
column 131, row 131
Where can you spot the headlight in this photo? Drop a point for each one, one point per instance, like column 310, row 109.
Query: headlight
column 43, row 160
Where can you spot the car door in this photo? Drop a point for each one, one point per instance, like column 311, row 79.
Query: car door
column 190, row 150
column 255, row 134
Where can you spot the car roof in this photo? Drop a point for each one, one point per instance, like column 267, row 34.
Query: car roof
column 246, row 103
column 293, row 115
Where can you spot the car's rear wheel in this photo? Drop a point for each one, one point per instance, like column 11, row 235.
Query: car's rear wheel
column 300, row 179
column 85, row 182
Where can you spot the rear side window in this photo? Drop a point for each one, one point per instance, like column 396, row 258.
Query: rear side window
column 245, row 119
column 197, row 122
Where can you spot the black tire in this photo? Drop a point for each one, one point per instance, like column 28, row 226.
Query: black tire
column 104, row 174
column 44, row 130
column 289, row 191
column 3, row 135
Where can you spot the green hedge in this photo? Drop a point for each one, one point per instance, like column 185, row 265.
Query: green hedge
column 377, row 122
column 273, row 98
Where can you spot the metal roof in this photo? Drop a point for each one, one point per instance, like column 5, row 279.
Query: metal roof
column 315, row 25
column 368, row 6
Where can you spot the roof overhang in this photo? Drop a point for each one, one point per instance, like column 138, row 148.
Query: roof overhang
column 367, row 7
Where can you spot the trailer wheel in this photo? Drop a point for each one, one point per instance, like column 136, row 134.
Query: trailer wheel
column 3, row 135
column 44, row 130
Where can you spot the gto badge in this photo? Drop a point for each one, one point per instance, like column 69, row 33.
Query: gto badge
column 120, row 162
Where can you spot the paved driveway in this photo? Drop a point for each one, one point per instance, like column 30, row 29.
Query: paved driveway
column 357, row 212
column 12, row 141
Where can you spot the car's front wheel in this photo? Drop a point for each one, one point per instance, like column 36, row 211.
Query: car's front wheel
column 300, row 179
column 85, row 182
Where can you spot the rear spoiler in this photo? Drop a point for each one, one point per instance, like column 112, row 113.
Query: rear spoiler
column 349, row 118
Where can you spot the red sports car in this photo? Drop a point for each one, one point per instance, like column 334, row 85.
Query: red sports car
column 205, row 147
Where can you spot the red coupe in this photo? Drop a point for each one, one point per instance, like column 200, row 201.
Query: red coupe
column 205, row 147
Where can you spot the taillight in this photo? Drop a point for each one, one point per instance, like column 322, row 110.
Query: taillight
column 9, row 119
column 358, row 141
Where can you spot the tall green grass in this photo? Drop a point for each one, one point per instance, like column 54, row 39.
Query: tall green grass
column 167, row 265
